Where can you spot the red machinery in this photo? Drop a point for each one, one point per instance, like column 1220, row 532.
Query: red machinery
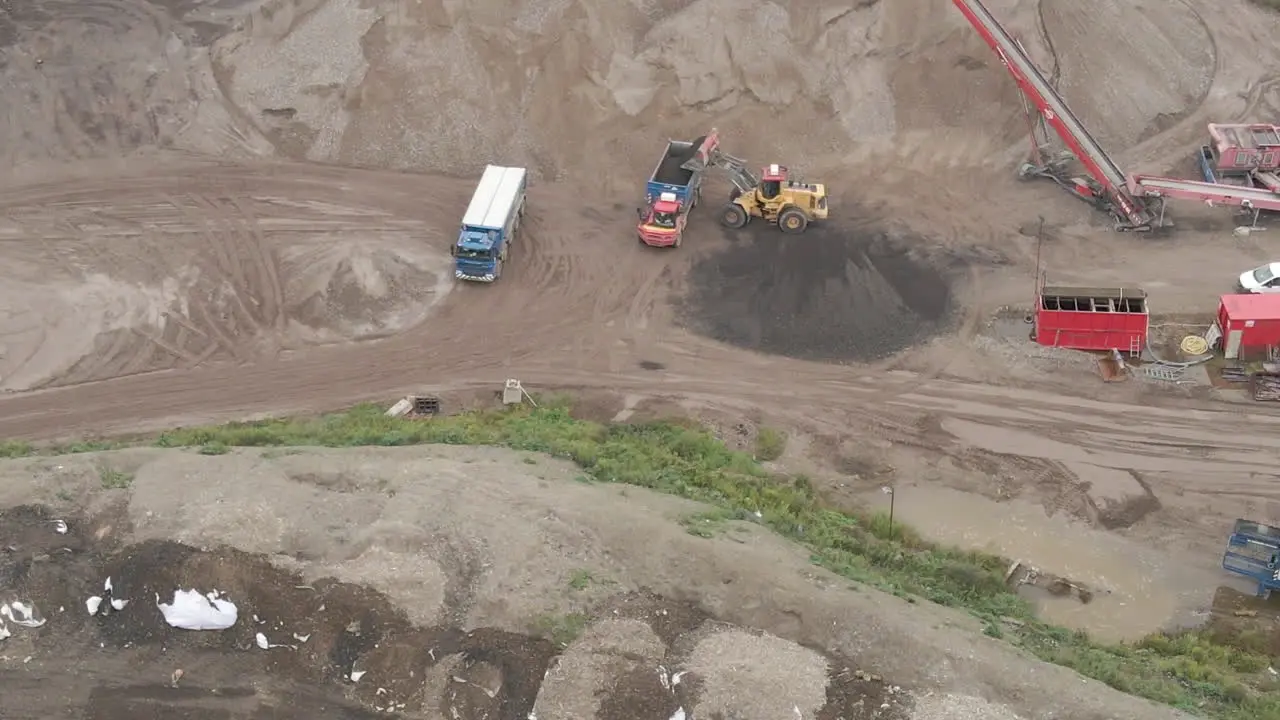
column 1083, row 318
column 1248, row 326
column 1240, row 149
column 1247, row 155
column 1107, row 186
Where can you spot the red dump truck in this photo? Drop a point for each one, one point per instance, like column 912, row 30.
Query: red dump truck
column 674, row 189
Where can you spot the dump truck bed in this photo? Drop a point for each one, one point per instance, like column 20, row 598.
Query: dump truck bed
column 669, row 176
column 678, row 153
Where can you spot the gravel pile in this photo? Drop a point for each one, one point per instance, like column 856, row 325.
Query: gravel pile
column 959, row 707
column 1141, row 72
column 757, row 677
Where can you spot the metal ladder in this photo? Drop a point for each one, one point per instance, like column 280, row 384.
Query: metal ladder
column 1135, row 346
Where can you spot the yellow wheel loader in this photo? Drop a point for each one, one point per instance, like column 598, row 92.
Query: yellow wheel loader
column 774, row 197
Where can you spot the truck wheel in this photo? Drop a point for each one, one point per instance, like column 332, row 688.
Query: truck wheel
column 733, row 216
column 793, row 221
column 497, row 269
column 679, row 239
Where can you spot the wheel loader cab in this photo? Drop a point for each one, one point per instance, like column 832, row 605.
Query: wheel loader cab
column 771, row 181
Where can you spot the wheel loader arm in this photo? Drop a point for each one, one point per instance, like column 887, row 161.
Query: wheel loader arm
column 712, row 156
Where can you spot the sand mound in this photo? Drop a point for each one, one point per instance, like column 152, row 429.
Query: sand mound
column 574, row 89
column 558, row 84
column 82, row 80
column 131, row 280
column 1145, row 71
column 548, row 83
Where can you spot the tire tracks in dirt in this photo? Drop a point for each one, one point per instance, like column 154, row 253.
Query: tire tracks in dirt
column 210, row 213
column 267, row 266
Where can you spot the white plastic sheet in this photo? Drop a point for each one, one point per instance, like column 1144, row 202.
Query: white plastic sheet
column 22, row 613
column 192, row 611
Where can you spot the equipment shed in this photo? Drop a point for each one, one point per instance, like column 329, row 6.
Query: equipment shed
column 1250, row 325
column 1084, row 318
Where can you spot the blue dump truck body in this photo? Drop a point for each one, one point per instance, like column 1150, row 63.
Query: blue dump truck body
column 1206, row 164
column 1253, row 550
column 670, row 177
column 490, row 224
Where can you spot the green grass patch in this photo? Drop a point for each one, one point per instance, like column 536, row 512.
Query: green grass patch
column 1204, row 672
column 1271, row 4
column 214, row 448
column 581, row 579
column 560, row 629
column 113, row 479
column 770, row 444
column 19, row 449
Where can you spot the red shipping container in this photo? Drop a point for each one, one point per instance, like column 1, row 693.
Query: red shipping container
column 1083, row 318
column 1249, row 325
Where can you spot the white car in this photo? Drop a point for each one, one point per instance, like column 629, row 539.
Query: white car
column 1265, row 279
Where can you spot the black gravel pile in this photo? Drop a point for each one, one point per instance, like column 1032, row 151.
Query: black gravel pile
column 831, row 294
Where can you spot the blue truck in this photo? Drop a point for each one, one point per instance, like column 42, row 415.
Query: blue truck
column 1253, row 550
column 1206, row 164
column 490, row 224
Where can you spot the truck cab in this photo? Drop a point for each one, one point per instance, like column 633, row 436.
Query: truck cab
column 474, row 255
column 490, row 225
column 662, row 223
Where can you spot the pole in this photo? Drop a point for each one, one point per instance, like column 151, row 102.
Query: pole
column 889, row 490
column 892, row 495
column 1039, row 245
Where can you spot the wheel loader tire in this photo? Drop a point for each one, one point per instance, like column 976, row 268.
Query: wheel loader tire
column 733, row 216
column 793, row 221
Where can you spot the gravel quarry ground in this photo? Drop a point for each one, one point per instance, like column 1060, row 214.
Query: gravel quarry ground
column 218, row 210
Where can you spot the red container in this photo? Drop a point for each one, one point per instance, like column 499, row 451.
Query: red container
column 1084, row 318
column 1250, row 325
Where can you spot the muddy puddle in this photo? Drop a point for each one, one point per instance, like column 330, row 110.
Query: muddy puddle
column 831, row 294
column 1133, row 589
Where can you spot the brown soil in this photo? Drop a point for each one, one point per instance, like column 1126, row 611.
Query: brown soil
column 174, row 251
column 328, row 629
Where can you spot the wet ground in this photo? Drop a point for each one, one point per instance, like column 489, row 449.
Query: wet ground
column 336, row 650
column 837, row 292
